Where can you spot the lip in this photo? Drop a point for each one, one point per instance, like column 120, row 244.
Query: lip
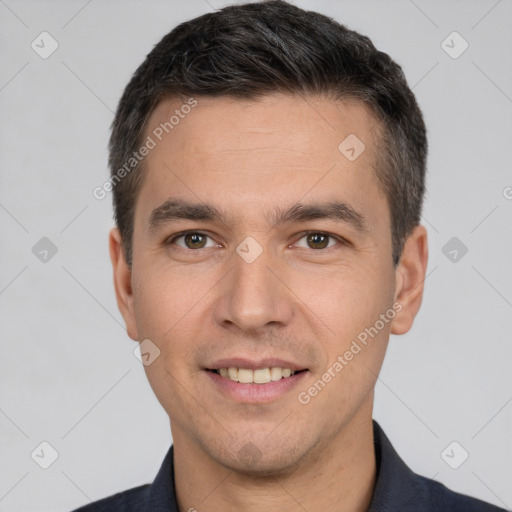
column 251, row 364
column 255, row 393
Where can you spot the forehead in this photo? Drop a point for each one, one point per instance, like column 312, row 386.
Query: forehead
column 310, row 126
column 279, row 148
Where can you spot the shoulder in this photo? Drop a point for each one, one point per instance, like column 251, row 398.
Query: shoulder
column 442, row 499
column 399, row 488
column 159, row 495
column 126, row 501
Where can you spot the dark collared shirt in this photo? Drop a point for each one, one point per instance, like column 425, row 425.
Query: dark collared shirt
column 397, row 489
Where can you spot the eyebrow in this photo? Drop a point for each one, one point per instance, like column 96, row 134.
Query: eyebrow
column 176, row 209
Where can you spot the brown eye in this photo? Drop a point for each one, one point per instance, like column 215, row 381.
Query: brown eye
column 195, row 240
column 192, row 240
column 317, row 240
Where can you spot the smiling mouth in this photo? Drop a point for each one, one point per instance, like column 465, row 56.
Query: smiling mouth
column 259, row 376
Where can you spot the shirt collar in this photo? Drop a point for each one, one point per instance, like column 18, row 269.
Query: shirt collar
column 162, row 495
column 397, row 486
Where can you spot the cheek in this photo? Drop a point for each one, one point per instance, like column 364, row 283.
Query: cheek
column 350, row 304
column 164, row 299
column 170, row 311
column 355, row 345
column 347, row 300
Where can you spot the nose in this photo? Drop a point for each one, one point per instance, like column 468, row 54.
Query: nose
column 254, row 296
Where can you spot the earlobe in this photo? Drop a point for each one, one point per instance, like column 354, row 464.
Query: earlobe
column 410, row 277
column 122, row 283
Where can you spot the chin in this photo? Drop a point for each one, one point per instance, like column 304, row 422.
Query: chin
column 264, row 468
column 264, row 459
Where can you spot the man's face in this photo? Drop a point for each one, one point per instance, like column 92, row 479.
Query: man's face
column 253, row 289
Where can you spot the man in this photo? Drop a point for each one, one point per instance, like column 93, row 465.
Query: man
column 268, row 170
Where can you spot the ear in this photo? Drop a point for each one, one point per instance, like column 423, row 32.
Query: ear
column 409, row 279
column 123, row 283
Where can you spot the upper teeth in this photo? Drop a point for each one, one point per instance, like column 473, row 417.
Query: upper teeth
column 260, row 376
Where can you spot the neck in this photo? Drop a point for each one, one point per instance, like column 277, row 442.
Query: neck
column 339, row 474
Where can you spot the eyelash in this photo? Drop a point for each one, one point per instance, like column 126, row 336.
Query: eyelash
column 340, row 240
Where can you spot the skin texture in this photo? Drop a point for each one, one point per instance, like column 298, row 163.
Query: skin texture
column 295, row 301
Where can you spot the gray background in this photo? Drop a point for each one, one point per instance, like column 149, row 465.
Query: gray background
column 67, row 369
